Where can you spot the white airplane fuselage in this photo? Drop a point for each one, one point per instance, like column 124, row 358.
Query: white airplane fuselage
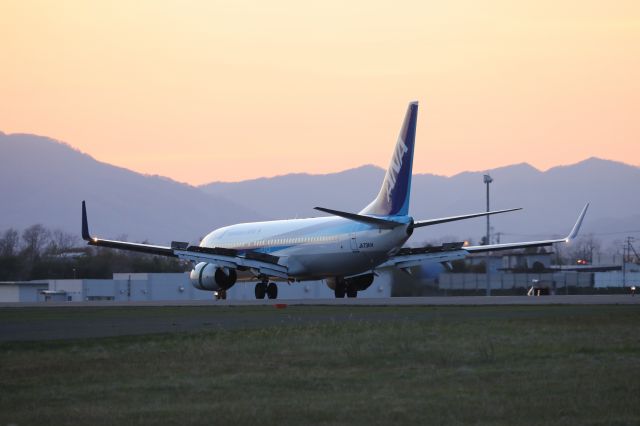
column 315, row 248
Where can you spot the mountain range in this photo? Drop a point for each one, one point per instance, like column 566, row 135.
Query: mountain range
column 551, row 200
column 43, row 181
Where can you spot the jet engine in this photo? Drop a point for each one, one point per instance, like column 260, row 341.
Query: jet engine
column 209, row 276
column 359, row 283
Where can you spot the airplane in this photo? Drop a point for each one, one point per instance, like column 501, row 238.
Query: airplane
column 344, row 249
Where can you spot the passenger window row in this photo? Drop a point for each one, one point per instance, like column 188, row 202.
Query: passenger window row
column 281, row 242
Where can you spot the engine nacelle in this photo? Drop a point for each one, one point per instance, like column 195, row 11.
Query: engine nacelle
column 211, row 277
column 361, row 282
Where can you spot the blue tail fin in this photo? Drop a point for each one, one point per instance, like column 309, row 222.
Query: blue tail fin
column 393, row 198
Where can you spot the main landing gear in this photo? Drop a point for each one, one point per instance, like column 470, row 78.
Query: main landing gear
column 266, row 289
column 345, row 288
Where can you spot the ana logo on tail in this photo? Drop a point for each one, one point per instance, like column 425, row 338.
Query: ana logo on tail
column 393, row 197
column 394, row 168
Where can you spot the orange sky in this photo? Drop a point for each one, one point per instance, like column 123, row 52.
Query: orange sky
column 203, row 90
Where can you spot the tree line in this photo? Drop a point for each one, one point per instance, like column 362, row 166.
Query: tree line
column 41, row 253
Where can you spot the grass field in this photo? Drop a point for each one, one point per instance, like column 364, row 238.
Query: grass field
column 510, row 365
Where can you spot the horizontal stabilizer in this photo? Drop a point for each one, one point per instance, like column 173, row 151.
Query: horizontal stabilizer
column 382, row 223
column 430, row 222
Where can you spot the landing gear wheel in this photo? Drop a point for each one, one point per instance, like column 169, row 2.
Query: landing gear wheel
column 340, row 290
column 272, row 291
column 261, row 290
column 222, row 295
column 352, row 291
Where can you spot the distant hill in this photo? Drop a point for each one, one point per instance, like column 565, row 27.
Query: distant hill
column 551, row 199
column 295, row 195
column 44, row 181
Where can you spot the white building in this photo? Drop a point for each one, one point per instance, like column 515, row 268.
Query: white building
column 162, row 286
column 616, row 279
column 131, row 287
column 23, row 291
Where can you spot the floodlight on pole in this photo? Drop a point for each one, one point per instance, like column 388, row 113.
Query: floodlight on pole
column 487, row 180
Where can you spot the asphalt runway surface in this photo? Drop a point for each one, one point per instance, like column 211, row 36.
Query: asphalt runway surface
column 81, row 320
column 605, row 299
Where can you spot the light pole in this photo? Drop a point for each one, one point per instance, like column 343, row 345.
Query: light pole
column 487, row 180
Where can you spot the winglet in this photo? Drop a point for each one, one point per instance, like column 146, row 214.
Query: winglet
column 85, row 224
column 576, row 227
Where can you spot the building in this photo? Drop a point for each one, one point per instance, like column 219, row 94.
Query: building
column 161, row 286
column 617, row 279
column 131, row 287
column 515, row 272
column 23, row 291
column 556, row 282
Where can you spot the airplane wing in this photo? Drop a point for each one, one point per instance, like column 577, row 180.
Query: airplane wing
column 510, row 246
column 429, row 222
column 407, row 258
column 410, row 257
column 259, row 263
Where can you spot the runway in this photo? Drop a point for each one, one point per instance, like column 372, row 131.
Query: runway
column 607, row 299
column 82, row 320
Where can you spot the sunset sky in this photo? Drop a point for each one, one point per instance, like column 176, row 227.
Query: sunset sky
column 202, row 91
